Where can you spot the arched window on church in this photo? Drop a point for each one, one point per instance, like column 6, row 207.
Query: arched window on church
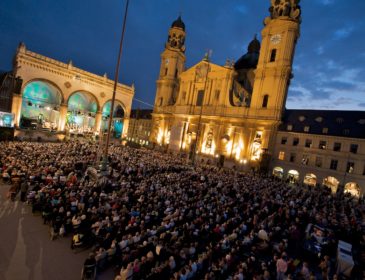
column 273, row 55
column 265, row 101
column 166, row 69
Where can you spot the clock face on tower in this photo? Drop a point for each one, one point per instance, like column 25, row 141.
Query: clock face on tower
column 275, row 39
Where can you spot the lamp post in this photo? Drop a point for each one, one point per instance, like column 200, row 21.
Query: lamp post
column 105, row 156
column 207, row 60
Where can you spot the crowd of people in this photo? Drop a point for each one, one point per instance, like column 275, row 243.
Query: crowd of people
column 154, row 216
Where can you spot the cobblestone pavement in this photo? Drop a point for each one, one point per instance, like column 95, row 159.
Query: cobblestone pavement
column 26, row 251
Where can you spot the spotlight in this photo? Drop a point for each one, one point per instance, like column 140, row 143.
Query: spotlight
column 48, row 108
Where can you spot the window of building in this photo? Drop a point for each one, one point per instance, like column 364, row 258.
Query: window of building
column 353, row 148
column 334, row 163
column 318, row 162
column 305, row 159
column 292, row 157
column 319, row 119
column 322, row 145
column 273, row 55
column 363, row 172
column 166, row 70
column 217, row 93
column 184, row 95
column 325, row 130
column 160, row 100
column 337, row 146
column 301, row 118
column 265, row 101
column 308, row 143
column 176, row 73
column 284, row 140
column 346, row 131
column 281, row 155
column 306, row 128
column 295, row 141
column 199, row 100
column 289, row 127
column 340, row 120
column 350, row 167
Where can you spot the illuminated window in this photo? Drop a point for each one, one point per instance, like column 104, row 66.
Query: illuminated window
column 325, row 130
column 322, row 145
column 306, row 129
column 350, row 167
column 289, row 127
column 281, row 155
column 305, row 159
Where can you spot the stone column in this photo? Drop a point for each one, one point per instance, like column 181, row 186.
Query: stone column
column 16, row 108
column 63, row 116
column 125, row 127
column 97, row 121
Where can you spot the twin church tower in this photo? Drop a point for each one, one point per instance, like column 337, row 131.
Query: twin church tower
column 230, row 111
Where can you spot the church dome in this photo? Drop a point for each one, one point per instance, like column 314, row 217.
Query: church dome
column 251, row 58
column 178, row 23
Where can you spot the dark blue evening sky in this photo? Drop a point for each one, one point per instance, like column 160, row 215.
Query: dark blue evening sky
column 329, row 66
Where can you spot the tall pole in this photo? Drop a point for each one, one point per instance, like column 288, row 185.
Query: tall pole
column 207, row 59
column 105, row 157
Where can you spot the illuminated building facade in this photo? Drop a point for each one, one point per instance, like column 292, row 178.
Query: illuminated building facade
column 233, row 111
column 236, row 112
column 59, row 97
column 322, row 147
column 140, row 124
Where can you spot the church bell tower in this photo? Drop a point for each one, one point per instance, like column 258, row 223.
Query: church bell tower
column 274, row 69
column 172, row 64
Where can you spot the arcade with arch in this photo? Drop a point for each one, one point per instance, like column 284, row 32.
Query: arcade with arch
column 293, row 176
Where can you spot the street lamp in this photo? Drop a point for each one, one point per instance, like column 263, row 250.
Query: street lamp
column 105, row 156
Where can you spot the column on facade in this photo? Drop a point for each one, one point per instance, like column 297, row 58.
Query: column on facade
column 97, row 121
column 63, row 117
column 125, row 128
column 16, row 108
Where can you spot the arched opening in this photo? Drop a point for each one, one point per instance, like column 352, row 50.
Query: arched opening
column 353, row 189
column 118, row 118
column 293, row 176
column 310, row 179
column 81, row 111
column 40, row 106
column 332, row 183
column 278, row 172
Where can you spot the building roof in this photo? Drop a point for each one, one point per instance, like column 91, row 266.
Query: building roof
column 251, row 58
column 178, row 23
column 332, row 122
column 142, row 114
